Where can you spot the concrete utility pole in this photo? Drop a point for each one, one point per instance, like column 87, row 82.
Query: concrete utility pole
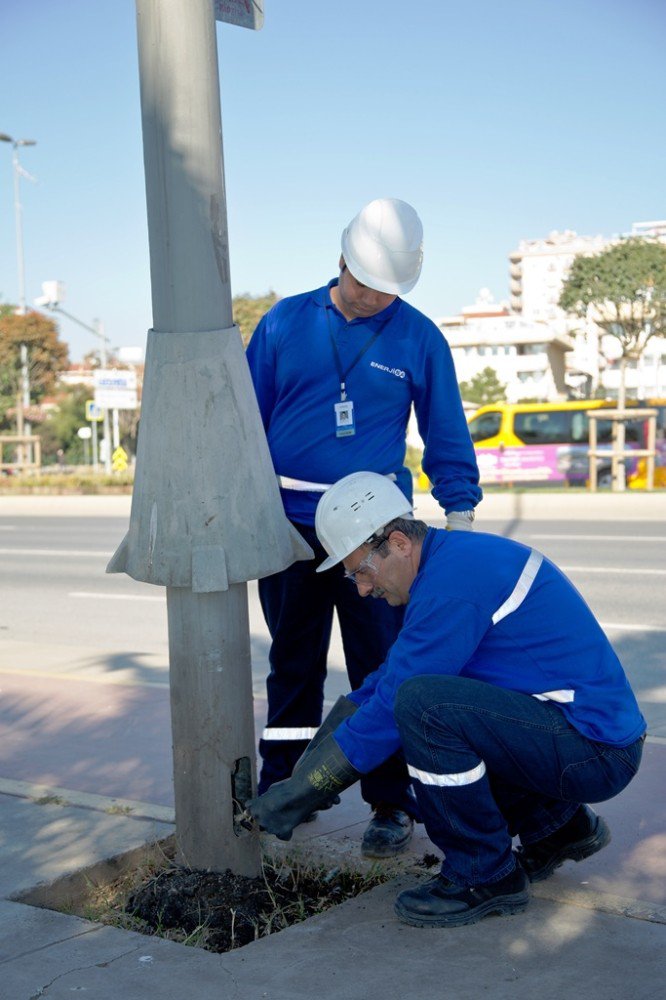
column 206, row 512
column 23, row 398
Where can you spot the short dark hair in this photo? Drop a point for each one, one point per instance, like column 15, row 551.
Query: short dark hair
column 410, row 527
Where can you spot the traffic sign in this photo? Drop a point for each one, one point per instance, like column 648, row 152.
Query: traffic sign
column 115, row 389
column 119, row 459
column 244, row 13
column 93, row 411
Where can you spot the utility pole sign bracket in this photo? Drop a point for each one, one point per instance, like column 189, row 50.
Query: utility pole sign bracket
column 244, row 13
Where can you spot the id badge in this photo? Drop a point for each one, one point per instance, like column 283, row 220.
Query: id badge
column 344, row 419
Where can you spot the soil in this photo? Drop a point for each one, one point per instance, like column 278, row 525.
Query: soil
column 223, row 911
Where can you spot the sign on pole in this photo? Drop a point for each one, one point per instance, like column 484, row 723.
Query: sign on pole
column 93, row 411
column 115, row 390
column 244, row 13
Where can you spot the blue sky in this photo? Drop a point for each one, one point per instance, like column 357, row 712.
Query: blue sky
column 498, row 122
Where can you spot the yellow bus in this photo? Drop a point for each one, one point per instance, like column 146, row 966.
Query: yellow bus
column 548, row 442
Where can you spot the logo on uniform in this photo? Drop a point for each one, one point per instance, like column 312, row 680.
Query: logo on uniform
column 398, row 372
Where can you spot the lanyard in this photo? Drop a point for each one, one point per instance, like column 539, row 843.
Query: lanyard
column 342, row 374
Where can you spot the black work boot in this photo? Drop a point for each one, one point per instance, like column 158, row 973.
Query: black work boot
column 441, row 903
column 584, row 835
column 388, row 832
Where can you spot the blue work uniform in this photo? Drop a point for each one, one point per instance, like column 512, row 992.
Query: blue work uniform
column 299, row 354
column 501, row 688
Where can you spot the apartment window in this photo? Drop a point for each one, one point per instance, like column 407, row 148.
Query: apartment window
column 524, row 349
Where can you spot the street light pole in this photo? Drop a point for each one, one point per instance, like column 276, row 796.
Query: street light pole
column 23, row 398
column 98, row 330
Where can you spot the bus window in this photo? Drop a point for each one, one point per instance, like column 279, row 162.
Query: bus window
column 485, row 426
column 545, row 427
column 604, row 431
column 633, row 432
column 580, row 429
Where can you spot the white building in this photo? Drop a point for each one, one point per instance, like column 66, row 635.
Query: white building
column 527, row 355
column 538, row 269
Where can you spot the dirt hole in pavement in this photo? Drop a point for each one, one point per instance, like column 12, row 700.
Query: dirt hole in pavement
column 221, row 911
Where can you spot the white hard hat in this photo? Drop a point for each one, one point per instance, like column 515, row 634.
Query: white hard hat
column 353, row 509
column 383, row 246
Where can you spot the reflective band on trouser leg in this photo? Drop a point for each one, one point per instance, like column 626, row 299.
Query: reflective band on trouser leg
column 304, row 733
column 448, row 780
column 462, row 819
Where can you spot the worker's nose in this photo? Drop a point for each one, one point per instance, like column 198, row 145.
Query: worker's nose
column 364, row 589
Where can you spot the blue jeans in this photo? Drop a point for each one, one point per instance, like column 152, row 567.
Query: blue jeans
column 488, row 764
column 298, row 606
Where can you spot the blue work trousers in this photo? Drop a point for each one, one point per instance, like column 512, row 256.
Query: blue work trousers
column 489, row 764
column 298, row 606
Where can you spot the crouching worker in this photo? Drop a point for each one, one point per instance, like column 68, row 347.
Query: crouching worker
column 501, row 690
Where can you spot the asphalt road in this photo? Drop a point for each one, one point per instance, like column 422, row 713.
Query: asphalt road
column 71, row 637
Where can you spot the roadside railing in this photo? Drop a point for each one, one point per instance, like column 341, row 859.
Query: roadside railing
column 619, row 455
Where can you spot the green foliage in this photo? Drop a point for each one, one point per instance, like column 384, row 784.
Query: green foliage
column 623, row 290
column 483, row 388
column 248, row 310
column 59, row 430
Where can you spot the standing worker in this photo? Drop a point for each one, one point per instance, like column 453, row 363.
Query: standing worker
column 502, row 690
column 336, row 371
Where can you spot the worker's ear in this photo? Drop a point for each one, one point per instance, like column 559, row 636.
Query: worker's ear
column 400, row 542
column 341, row 264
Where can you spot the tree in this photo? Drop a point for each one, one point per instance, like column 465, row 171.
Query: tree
column 623, row 291
column 59, row 431
column 248, row 310
column 483, row 388
column 46, row 356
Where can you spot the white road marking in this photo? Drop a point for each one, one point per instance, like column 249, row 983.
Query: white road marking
column 600, row 538
column 632, row 628
column 117, row 597
column 66, row 553
column 613, row 569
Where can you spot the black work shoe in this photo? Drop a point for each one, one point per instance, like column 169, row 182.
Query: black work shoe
column 388, row 833
column 441, row 903
column 584, row 835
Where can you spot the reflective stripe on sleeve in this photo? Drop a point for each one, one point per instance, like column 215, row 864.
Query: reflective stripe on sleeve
column 521, row 590
column 564, row 696
column 287, row 483
column 445, row 780
column 304, row 733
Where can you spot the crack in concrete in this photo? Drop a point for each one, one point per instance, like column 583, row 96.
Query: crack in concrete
column 42, row 992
